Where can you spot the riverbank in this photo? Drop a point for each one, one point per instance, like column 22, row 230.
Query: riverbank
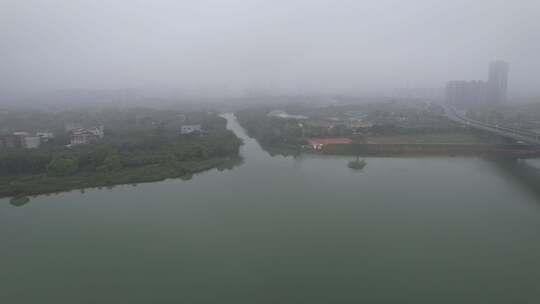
column 425, row 149
column 43, row 184
column 409, row 149
column 404, row 135
column 150, row 154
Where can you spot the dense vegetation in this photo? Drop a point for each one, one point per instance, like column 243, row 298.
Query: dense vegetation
column 270, row 132
column 124, row 156
column 381, row 123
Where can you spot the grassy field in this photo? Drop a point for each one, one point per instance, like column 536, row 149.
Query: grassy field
column 452, row 138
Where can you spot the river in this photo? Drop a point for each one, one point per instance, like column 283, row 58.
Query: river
column 285, row 230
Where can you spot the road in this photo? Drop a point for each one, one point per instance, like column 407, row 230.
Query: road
column 524, row 136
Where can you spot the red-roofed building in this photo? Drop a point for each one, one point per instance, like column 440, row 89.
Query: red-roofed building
column 319, row 143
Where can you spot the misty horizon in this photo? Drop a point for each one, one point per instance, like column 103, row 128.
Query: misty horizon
column 289, row 47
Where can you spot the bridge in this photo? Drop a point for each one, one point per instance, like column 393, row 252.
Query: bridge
column 520, row 135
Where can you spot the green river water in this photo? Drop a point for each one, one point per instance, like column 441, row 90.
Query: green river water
column 285, row 230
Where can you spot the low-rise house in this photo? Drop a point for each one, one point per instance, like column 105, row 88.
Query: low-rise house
column 190, row 129
column 20, row 138
column 32, row 142
column 99, row 131
column 23, row 139
column 82, row 136
column 21, row 133
column 45, row 136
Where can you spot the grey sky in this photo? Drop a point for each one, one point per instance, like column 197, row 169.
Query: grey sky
column 283, row 45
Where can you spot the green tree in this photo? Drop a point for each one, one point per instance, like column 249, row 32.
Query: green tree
column 113, row 162
column 62, row 166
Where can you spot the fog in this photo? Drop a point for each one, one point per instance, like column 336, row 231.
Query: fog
column 286, row 46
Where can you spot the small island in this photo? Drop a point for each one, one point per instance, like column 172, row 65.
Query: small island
column 46, row 152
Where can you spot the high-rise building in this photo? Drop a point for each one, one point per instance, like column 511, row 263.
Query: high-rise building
column 462, row 93
column 497, row 82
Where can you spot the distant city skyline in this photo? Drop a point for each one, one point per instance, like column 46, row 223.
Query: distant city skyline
column 464, row 93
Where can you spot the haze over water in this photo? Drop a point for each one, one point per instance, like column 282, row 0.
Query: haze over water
column 282, row 230
column 218, row 48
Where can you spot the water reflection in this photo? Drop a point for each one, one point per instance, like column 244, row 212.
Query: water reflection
column 522, row 172
column 231, row 163
column 285, row 152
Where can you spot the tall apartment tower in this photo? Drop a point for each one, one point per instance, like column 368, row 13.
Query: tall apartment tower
column 463, row 93
column 497, row 84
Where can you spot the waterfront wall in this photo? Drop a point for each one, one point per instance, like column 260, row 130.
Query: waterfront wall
column 513, row 150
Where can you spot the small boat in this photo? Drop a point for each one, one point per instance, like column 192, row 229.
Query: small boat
column 357, row 164
column 19, row 201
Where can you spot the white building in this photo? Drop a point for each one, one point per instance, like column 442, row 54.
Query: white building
column 188, row 129
column 99, row 131
column 26, row 141
column 32, row 142
column 45, row 136
column 21, row 134
column 284, row 115
column 82, row 136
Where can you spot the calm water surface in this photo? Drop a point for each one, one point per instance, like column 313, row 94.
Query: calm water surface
column 285, row 230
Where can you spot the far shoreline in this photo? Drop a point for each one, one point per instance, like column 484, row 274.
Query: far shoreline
column 512, row 151
column 57, row 185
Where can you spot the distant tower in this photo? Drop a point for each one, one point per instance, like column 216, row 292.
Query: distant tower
column 497, row 82
column 463, row 93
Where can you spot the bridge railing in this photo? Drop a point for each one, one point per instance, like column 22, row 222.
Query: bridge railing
column 520, row 132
